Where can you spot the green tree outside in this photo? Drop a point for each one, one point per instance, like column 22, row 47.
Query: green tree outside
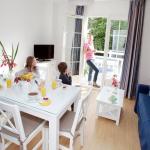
column 97, row 27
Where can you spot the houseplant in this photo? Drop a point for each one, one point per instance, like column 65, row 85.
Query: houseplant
column 8, row 60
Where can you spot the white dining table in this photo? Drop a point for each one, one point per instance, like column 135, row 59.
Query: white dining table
column 61, row 99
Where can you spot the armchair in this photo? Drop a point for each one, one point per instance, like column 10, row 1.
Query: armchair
column 141, row 88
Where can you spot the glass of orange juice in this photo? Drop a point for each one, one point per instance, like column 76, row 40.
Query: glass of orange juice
column 54, row 84
column 8, row 83
column 43, row 91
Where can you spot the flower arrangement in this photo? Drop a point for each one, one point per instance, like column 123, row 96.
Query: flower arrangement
column 115, row 82
column 9, row 60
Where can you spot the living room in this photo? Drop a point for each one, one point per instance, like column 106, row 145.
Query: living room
column 42, row 22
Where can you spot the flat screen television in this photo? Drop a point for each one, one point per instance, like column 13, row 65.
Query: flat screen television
column 44, row 52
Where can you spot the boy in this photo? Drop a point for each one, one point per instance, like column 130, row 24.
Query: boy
column 64, row 74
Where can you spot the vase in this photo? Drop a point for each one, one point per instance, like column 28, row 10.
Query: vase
column 9, row 79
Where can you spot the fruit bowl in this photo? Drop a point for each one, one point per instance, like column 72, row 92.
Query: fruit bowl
column 33, row 96
column 27, row 76
column 24, row 77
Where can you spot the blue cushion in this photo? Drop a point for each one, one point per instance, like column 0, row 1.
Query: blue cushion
column 143, row 107
column 141, row 88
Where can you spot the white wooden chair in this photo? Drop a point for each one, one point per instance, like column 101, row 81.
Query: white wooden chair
column 21, row 128
column 72, row 123
column 3, row 120
column 85, row 89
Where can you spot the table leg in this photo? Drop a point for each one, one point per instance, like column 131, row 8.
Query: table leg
column 54, row 134
column 118, row 116
column 97, row 108
column 45, row 138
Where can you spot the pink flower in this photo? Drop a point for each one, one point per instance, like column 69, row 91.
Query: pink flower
column 9, row 60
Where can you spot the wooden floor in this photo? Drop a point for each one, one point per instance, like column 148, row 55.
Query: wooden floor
column 103, row 134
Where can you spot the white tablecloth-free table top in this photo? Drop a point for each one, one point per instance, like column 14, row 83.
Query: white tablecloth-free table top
column 107, row 91
column 61, row 99
column 108, row 108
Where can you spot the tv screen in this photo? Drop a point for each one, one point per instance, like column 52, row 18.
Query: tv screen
column 44, row 52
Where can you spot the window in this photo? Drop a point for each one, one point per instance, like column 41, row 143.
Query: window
column 97, row 27
column 118, row 35
column 73, row 40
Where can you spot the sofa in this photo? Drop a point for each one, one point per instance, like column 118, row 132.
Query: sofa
column 142, row 109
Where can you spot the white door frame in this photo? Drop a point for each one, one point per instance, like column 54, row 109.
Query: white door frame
column 106, row 49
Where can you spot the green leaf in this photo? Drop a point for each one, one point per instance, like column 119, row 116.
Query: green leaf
column 4, row 51
column 1, row 45
column 97, row 27
column 16, row 51
column 12, row 55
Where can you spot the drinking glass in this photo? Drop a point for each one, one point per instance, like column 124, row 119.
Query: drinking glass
column 54, row 84
column 8, row 83
column 43, row 91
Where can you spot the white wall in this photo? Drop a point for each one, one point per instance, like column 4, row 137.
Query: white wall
column 116, row 9
column 144, row 72
column 27, row 22
column 59, row 21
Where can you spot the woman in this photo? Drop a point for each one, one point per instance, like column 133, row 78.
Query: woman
column 89, row 55
column 30, row 67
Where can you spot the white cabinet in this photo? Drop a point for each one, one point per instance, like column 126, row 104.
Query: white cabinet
column 48, row 70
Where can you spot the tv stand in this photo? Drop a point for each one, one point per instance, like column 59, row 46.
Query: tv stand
column 44, row 60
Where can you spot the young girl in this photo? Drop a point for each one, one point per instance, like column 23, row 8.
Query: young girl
column 30, row 67
column 89, row 55
column 64, row 74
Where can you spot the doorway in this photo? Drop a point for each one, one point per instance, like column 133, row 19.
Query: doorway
column 109, row 41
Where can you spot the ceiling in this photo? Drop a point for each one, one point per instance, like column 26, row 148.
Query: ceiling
column 109, row 0
column 88, row 1
column 96, row 0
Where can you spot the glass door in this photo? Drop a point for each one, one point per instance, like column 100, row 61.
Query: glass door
column 115, row 41
column 109, row 41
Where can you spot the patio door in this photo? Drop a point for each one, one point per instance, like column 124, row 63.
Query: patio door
column 109, row 41
column 115, row 41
